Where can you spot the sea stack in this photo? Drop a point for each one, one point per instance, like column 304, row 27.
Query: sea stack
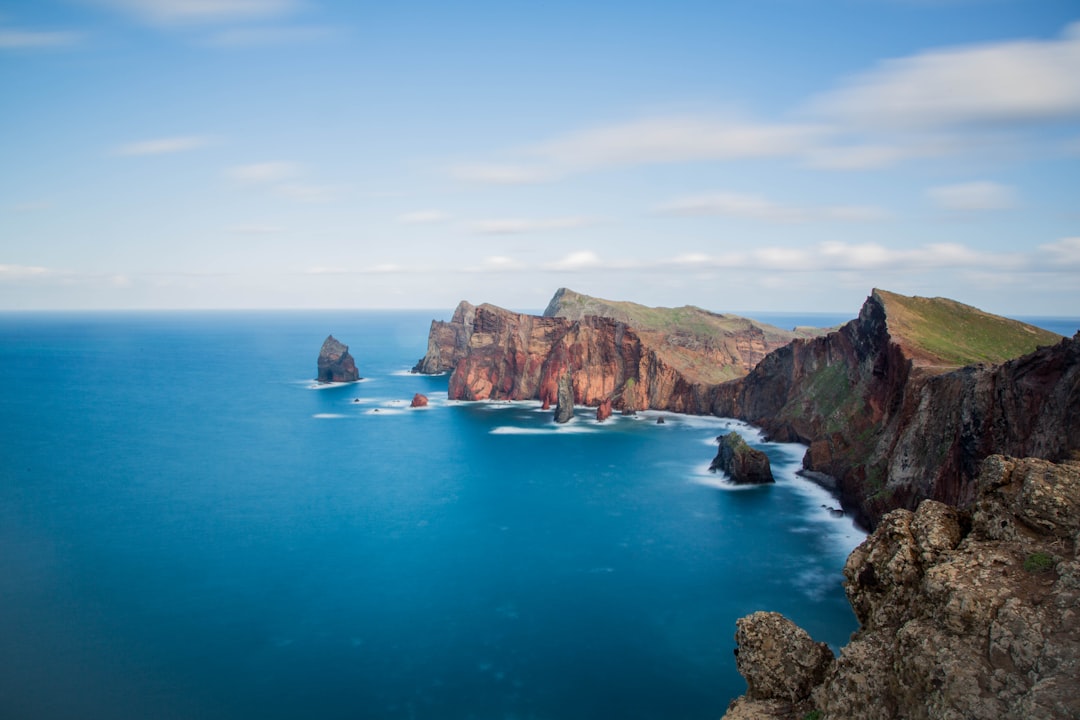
column 742, row 463
column 564, row 407
column 335, row 363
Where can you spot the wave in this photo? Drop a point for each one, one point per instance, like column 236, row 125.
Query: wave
column 328, row 416
column 568, row 428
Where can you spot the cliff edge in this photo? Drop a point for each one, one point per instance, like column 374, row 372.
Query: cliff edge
column 962, row 614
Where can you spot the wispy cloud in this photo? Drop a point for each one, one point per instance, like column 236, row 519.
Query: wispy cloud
column 973, row 196
column 163, row 146
column 650, row 141
column 517, row 226
column 263, row 172
column 15, row 39
column 187, row 12
column 756, row 207
column 1007, row 83
column 577, row 261
column 22, row 272
column 423, row 217
column 308, row 193
column 1064, row 252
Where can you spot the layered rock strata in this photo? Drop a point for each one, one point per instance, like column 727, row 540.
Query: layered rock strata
column 963, row 614
column 741, row 463
column 335, row 364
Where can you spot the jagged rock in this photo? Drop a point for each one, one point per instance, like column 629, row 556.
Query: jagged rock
column 660, row 420
column 778, row 658
column 419, row 400
column 603, row 410
column 888, row 412
column 740, row 462
column 961, row 615
column 335, row 363
column 564, row 407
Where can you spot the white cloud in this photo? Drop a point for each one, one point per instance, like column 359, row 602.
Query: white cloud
column 22, row 272
column 423, row 217
column 756, row 207
column 973, row 196
column 303, row 192
column 1064, row 252
column 183, row 12
column 660, row 140
column 263, row 172
column 163, row 146
column 516, row 226
column 12, row 39
column 580, row 260
column 1018, row 82
column 855, row 157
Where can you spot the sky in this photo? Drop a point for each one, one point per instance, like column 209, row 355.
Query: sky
column 737, row 155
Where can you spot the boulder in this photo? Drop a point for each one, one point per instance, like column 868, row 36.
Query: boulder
column 419, row 400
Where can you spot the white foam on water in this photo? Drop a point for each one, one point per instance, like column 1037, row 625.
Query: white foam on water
column 569, row 428
column 327, row 416
column 385, row 411
column 316, row 385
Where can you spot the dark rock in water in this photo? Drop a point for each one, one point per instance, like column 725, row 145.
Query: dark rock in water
column 335, row 362
column 742, row 463
column 564, row 407
column 660, row 420
column 603, row 411
column 419, row 400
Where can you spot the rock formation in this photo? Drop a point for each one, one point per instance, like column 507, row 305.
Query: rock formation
column 564, row 399
column 676, row 363
column 962, row 614
column 893, row 408
column 741, row 463
column 335, row 363
column 419, row 400
column 603, row 410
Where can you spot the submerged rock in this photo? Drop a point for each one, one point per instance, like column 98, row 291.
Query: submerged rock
column 740, row 462
column 335, row 363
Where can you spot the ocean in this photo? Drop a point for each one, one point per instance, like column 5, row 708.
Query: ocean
column 190, row 527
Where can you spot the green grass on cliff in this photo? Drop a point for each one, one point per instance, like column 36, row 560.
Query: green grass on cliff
column 944, row 332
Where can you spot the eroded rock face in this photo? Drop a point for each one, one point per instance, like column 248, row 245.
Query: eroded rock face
column 564, row 404
column 335, row 364
column 419, row 400
column 961, row 615
column 741, row 463
column 603, row 410
column 892, row 429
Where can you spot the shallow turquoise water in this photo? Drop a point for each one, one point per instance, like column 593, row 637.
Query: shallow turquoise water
column 190, row 529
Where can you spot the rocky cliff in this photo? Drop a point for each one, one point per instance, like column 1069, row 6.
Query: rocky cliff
column 335, row 364
column 676, row 363
column 902, row 403
column 963, row 614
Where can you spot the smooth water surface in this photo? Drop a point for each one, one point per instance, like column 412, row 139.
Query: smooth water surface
column 190, row 528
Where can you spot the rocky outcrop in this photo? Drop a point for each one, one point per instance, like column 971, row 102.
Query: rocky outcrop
column 419, row 400
column 603, row 410
column 962, row 614
column 676, row 363
column 447, row 341
column 335, row 364
column 742, row 464
column 564, row 400
column 888, row 415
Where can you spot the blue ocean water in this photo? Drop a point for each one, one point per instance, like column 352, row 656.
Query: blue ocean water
column 190, row 528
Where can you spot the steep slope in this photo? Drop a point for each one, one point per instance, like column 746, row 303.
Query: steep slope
column 961, row 615
column 888, row 413
column 675, row 363
column 704, row 346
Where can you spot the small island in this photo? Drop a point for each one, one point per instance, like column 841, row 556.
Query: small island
column 741, row 463
column 335, row 363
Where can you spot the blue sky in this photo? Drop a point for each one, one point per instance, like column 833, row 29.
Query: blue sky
column 743, row 155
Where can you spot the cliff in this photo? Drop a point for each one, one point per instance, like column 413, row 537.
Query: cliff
column 335, row 364
column 675, row 363
column 962, row 614
column 894, row 410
